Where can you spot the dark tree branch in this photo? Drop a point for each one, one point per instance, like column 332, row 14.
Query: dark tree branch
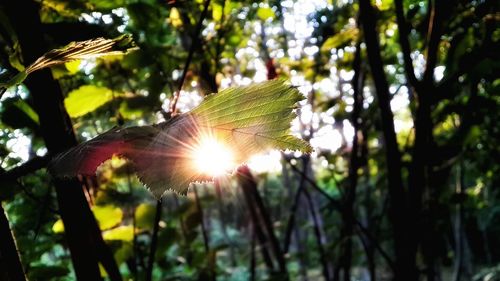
column 249, row 187
column 32, row 165
column 154, row 241
column 256, row 228
column 194, row 46
column 403, row 242
column 354, row 165
column 291, row 219
column 434, row 38
column 317, row 233
column 405, row 44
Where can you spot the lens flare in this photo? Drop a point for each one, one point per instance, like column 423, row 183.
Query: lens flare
column 212, row 158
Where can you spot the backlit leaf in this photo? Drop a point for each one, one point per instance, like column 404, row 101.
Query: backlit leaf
column 340, row 39
column 75, row 51
column 144, row 216
column 245, row 120
column 86, row 99
column 265, row 13
column 124, row 233
column 58, row 226
column 107, row 216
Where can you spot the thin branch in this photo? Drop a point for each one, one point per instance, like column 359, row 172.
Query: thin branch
column 32, row 165
column 194, row 45
column 154, row 240
column 291, row 218
column 317, row 232
column 203, row 228
column 405, row 44
column 434, row 35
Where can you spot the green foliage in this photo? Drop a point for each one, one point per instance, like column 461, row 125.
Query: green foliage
column 265, row 13
column 87, row 99
column 144, row 216
column 107, row 216
column 345, row 37
column 113, row 98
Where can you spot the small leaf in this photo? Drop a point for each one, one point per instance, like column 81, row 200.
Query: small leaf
column 73, row 66
column 144, row 216
column 340, row 39
column 86, row 99
column 124, row 233
column 58, row 226
column 175, row 17
column 217, row 12
column 265, row 13
column 107, row 216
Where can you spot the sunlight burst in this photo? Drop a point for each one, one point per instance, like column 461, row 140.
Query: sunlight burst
column 212, row 158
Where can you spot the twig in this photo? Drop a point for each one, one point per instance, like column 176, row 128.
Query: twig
column 173, row 107
column 291, row 218
column 28, row 167
column 154, row 240
column 317, row 232
column 200, row 210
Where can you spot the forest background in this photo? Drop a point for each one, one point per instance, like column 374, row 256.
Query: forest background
column 401, row 109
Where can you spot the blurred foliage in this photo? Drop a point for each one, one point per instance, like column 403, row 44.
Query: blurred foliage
column 313, row 45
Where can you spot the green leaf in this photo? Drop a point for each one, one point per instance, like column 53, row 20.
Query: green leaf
column 86, row 99
column 253, row 118
column 144, row 216
column 73, row 66
column 75, row 51
column 265, row 13
column 107, row 216
column 83, row 50
column 124, row 233
column 243, row 120
column 58, row 226
column 17, row 113
column 340, row 39
column 217, row 12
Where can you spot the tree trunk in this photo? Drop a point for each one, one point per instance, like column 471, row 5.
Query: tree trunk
column 354, row 164
column 82, row 232
column 404, row 245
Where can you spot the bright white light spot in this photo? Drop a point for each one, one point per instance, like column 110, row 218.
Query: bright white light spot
column 327, row 138
column 439, row 72
column 262, row 163
column 212, row 158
